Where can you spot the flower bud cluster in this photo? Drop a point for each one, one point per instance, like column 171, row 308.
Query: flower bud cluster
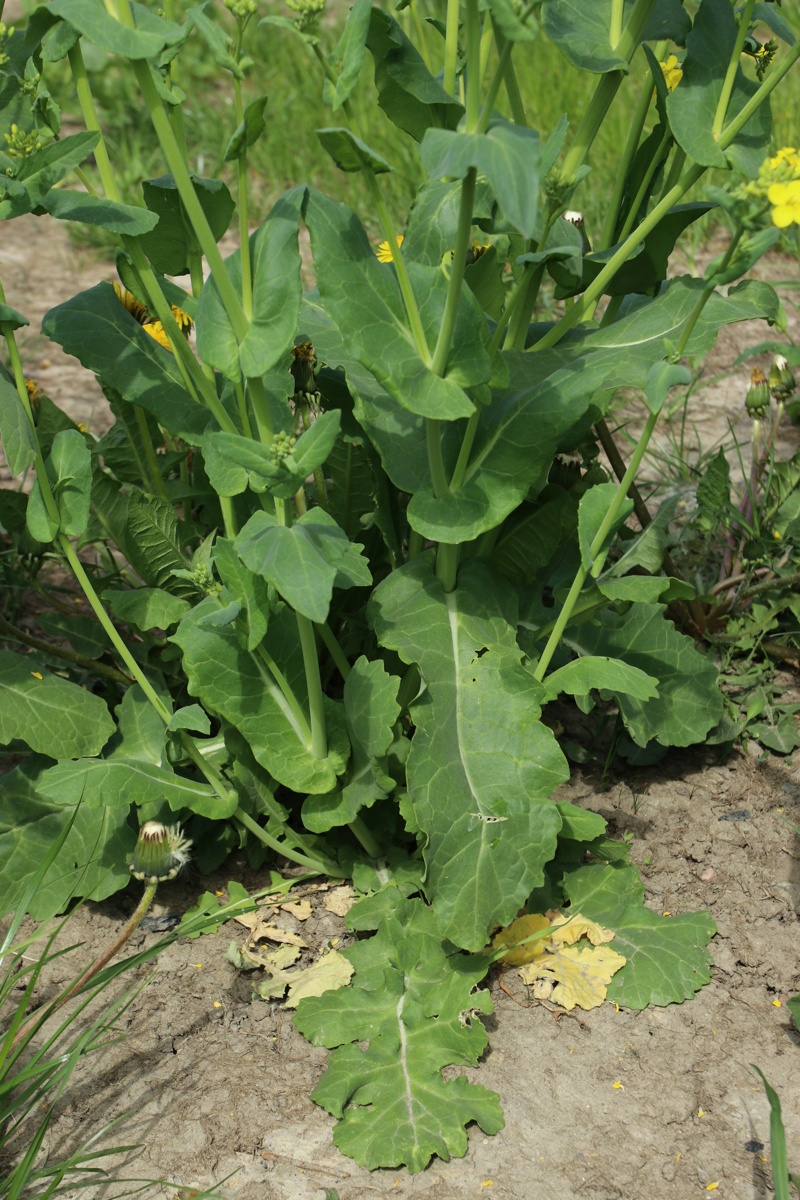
column 282, row 446
column 6, row 31
column 242, row 10
column 19, row 144
column 308, row 13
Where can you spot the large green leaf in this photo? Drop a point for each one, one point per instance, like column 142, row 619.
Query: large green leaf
column 363, row 298
column 691, row 107
column 580, row 29
column 99, row 331
column 303, row 561
column 407, row 92
column 275, row 264
column 96, row 210
column 371, row 710
column 92, row 862
column 408, row 1000
column 689, row 702
column 120, row 782
column 581, row 675
column 508, row 155
column 482, row 765
column 49, row 714
column 150, row 35
column 19, row 443
column 240, row 687
column 666, row 957
column 173, row 243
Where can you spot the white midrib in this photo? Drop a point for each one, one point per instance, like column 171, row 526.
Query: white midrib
column 404, row 1061
column 452, row 616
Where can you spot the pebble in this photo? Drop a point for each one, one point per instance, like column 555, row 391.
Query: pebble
column 707, row 875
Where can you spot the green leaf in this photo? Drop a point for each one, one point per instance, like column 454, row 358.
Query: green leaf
column 249, row 590
column 407, row 999
column 794, row 1008
column 644, row 270
column 50, row 715
column 713, row 494
column 482, row 765
column 580, row 29
column 767, row 12
column 315, row 445
column 38, row 172
column 275, row 260
column 19, row 443
column 240, row 687
column 121, row 782
column 349, row 52
column 191, row 717
column 215, row 38
column 580, row 676
column 689, row 702
column 580, row 824
column 647, row 549
column 173, row 244
column 92, row 862
column 303, row 561
column 350, row 153
column 69, row 470
column 11, row 319
column 149, row 37
column 691, row 107
column 371, row 710
column 511, row 24
column 666, row 957
column 154, row 543
column 84, row 634
column 99, row 331
column 95, row 210
column 407, row 92
column 146, row 608
column 592, row 511
column 646, row 588
column 248, row 131
column 508, row 155
column 363, row 298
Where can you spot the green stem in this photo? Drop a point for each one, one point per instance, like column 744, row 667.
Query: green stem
column 308, row 644
column 598, row 542
column 450, row 47
column 733, row 66
column 258, row 398
column 331, row 644
column 153, row 469
column 513, row 91
column 524, row 305
column 366, row 838
column 597, row 287
column 473, row 40
column 86, row 102
column 318, row 865
column 194, row 210
column 285, row 697
column 504, row 58
column 674, row 172
column 615, row 26
column 433, row 432
column 607, row 237
column 466, row 449
column 241, row 404
column 705, row 296
column 241, row 178
column 647, row 179
column 457, row 268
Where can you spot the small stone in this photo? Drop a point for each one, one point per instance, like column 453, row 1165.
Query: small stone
column 707, row 875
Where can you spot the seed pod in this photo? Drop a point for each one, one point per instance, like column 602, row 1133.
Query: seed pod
column 757, row 398
column 160, row 852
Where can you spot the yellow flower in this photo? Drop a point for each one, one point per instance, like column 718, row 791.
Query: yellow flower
column 134, row 306
column 787, row 155
column 785, row 201
column 148, row 323
column 384, row 251
column 673, row 72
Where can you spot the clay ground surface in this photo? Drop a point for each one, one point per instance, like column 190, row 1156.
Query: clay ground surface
column 216, row 1083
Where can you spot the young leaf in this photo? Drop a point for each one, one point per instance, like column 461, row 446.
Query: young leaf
column 148, row 38
column 349, row 53
column 350, row 153
column 48, row 713
column 409, row 991
column 146, row 608
column 666, row 958
column 154, row 544
column 249, row 590
column 407, row 92
column 275, row 260
column 248, row 131
column 581, row 675
column 482, row 765
column 592, row 511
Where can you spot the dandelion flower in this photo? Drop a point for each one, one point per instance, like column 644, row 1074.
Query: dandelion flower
column 673, row 72
column 384, row 252
column 785, row 201
column 160, row 852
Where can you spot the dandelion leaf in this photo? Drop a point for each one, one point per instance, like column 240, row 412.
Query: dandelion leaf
column 412, row 1000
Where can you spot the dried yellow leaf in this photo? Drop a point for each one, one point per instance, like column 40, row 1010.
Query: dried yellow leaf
column 326, row 974
column 340, row 900
column 299, row 909
column 568, row 930
column 581, row 975
column 517, row 931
